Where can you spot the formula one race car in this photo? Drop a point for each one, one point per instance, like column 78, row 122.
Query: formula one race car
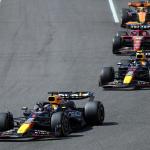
column 125, row 43
column 137, row 13
column 131, row 73
column 56, row 117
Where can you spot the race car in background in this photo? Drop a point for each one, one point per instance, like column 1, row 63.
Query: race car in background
column 56, row 117
column 137, row 13
column 127, row 42
column 131, row 73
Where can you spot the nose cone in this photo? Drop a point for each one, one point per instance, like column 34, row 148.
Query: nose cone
column 24, row 128
column 127, row 79
column 137, row 42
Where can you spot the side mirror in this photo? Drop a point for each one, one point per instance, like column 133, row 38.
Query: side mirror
column 24, row 108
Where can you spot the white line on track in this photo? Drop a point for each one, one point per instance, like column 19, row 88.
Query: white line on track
column 114, row 13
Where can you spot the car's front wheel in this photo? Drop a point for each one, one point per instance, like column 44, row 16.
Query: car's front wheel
column 107, row 75
column 125, row 17
column 6, row 121
column 60, row 124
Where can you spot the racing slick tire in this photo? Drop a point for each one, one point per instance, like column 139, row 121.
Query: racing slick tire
column 60, row 124
column 94, row 113
column 149, row 74
column 125, row 17
column 117, row 44
column 6, row 121
column 107, row 75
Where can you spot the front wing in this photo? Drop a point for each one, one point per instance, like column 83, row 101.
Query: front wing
column 128, row 51
column 137, row 84
column 136, row 25
column 12, row 134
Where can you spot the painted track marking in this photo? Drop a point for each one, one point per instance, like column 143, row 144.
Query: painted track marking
column 113, row 10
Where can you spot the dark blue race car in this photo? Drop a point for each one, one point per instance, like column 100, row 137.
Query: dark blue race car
column 56, row 117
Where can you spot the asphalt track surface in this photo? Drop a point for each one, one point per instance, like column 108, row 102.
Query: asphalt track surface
column 62, row 45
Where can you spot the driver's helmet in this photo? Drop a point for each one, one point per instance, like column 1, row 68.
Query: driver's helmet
column 47, row 107
column 142, row 1
column 55, row 99
column 134, row 33
column 140, row 56
column 141, row 9
column 38, row 106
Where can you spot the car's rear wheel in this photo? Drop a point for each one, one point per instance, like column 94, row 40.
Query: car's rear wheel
column 107, row 75
column 149, row 75
column 60, row 124
column 125, row 17
column 94, row 113
column 6, row 121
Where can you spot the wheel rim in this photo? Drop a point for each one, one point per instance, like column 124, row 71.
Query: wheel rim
column 100, row 114
column 65, row 125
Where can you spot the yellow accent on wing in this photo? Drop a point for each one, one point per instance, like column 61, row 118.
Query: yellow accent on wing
column 24, row 128
column 63, row 107
column 133, row 23
column 127, row 79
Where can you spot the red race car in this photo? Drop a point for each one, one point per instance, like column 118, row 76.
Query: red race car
column 125, row 43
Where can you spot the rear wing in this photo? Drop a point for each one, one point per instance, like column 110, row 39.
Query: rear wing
column 74, row 95
column 132, row 54
column 139, row 4
column 137, row 26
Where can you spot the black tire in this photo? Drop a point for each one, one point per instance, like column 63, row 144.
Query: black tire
column 149, row 74
column 94, row 113
column 117, row 44
column 60, row 124
column 107, row 75
column 125, row 17
column 6, row 121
